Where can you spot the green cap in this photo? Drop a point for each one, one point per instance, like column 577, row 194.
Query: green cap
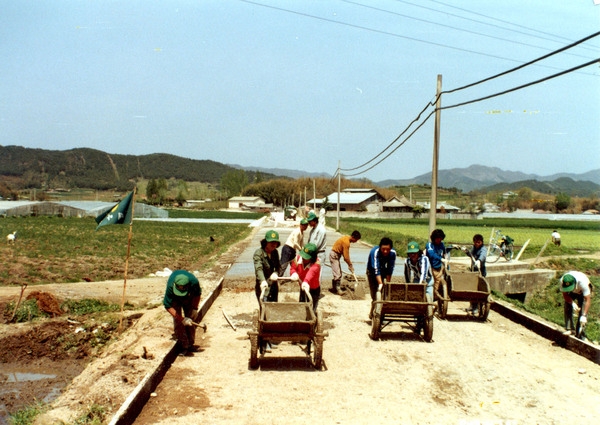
column 272, row 236
column 181, row 285
column 309, row 251
column 568, row 282
column 304, row 221
column 312, row 216
column 413, row 247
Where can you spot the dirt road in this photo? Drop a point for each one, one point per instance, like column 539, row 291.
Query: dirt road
column 473, row 373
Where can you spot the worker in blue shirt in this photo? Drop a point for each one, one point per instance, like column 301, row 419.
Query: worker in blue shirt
column 380, row 267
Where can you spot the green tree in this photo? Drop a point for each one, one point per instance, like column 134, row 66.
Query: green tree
column 562, row 201
column 233, row 182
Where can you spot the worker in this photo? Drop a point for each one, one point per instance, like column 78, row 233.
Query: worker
column 577, row 294
column 266, row 266
column 478, row 255
column 417, row 268
column 341, row 248
column 181, row 300
column 294, row 243
column 317, row 235
column 436, row 252
column 380, row 267
column 556, row 238
column 306, row 270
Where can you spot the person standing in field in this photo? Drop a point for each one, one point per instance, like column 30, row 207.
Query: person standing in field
column 556, row 238
column 181, row 300
column 577, row 294
column 341, row 249
column 436, row 252
column 294, row 243
column 380, row 267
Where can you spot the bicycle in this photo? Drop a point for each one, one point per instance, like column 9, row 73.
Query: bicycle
column 500, row 246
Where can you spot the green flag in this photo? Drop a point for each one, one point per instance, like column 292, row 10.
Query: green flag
column 119, row 214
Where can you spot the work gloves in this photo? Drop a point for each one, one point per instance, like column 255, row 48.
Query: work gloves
column 295, row 277
column 187, row 322
column 478, row 264
column 305, row 286
column 274, row 277
column 582, row 320
column 194, row 314
column 264, row 285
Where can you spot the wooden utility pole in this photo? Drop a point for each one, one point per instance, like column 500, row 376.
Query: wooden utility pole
column 436, row 155
column 337, row 221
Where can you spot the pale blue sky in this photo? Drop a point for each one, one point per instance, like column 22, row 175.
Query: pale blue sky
column 303, row 84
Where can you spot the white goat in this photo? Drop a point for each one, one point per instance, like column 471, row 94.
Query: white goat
column 12, row 237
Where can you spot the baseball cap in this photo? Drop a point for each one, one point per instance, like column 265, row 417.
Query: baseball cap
column 304, row 221
column 312, row 216
column 309, row 251
column 181, row 285
column 272, row 236
column 568, row 282
column 413, row 247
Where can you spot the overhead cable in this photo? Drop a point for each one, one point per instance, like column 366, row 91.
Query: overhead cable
column 562, row 49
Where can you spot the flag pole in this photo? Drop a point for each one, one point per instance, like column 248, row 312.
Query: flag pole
column 127, row 258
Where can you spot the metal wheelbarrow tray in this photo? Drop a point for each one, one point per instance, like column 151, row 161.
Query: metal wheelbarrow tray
column 403, row 302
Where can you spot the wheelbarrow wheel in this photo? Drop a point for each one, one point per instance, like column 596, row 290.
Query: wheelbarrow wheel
column 443, row 301
column 484, row 309
column 428, row 330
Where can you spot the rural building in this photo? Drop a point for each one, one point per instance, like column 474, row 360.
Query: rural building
column 441, row 207
column 353, row 200
column 252, row 203
column 398, row 204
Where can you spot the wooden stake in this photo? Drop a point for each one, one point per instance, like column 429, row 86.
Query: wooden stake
column 23, row 286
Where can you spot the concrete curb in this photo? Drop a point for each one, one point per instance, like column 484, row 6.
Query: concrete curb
column 548, row 331
column 134, row 404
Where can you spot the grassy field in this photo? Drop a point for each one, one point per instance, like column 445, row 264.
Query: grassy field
column 55, row 250
column 577, row 238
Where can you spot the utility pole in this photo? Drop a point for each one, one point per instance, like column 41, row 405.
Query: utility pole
column 337, row 221
column 436, row 155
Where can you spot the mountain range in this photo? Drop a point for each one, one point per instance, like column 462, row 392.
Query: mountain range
column 22, row 167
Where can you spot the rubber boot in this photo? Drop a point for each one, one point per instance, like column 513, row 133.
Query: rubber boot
column 338, row 289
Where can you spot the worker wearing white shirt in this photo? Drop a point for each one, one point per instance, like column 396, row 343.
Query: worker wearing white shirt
column 577, row 294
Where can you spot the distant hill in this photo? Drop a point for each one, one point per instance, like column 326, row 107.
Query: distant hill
column 295, row 174
column 89, row 168
column 491, row 178
column 567, row 185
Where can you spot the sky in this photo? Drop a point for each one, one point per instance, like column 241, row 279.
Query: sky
column 307, row 85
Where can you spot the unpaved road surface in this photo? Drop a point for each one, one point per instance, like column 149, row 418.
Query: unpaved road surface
column 472, row 373
column 495, row 372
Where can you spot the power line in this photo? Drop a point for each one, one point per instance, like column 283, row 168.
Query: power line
column 449, row 26
column 573, row 69
column 596, row 34
column 487, row 23
column 391, row 34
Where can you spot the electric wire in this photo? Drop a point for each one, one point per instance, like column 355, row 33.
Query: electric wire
column 490, row 24
column 452, row 27
column 391, row 34
column 541, row 80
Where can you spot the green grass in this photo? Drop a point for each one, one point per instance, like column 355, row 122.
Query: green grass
column 27, row 416
column 577, row 237
column 55, row 250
